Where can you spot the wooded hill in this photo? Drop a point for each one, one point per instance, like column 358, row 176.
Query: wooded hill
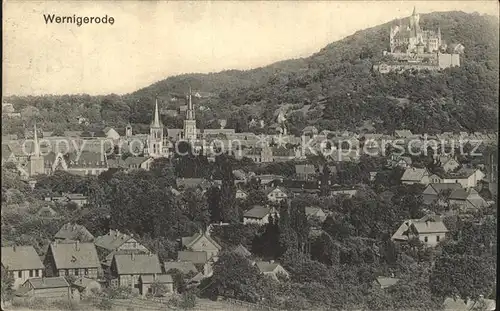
column 335, row 88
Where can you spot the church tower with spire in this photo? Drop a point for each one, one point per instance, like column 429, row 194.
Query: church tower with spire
column 36, row 163
column 155, row 141
column 189, row 131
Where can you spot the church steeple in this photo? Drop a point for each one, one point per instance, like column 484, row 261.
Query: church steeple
column 190, row 109
column 156, row 120
column 36, row 147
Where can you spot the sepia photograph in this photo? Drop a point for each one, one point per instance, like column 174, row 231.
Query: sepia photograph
column 249, row 155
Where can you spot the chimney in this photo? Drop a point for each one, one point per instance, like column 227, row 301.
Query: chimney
column 77, row 245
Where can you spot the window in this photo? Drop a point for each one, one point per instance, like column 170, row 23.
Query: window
column 19, row 274
column 66, row 272
column 437, row 238
column 426, row 239
column 37, row 273
column 77, row 271
column 31, row 273
column 86, row 271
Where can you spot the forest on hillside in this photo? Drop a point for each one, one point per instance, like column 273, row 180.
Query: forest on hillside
column 335, row 88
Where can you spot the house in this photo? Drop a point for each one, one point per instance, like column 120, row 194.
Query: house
column 305, row 171
column 315, row 212
column 185, row 267
column 402, row 134
column 396, row 160
column 384, row 282
column 466, row 199
column 259, row 215
column 146, row 282
column 74, row 232
column 131, row 163
column 81, row 163
column 53, row 288
column 373, row 176
column 447, row 163
column 272, row 269
column 86, row 286
column 202, row 242
column 115, row 240
column 429, row 229
column 72, row 258
column 468, row 177
column 22, row 262
column 348, row 192
column 65, row 198
column 415, row 175
column 457, row 304
column 199, row 259
column 276, row 194
column 240, row 194
column 262, row 154
column 242, row 251
column 438, row 193
column 47, row 212
column 126, row 269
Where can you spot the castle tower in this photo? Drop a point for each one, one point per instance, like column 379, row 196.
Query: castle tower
column 189, row 131
column 36, row 162
column 155, row 141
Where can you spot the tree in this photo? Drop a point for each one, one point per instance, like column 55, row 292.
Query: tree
column 325, row 181
column 228, row 190
column 7, row 283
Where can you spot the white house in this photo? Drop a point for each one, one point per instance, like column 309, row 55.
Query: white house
column 429, row 229
column 22, row 262
column 277, row 194
column 259, row 215
column 415, row 175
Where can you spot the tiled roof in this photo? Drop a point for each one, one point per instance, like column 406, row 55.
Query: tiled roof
column 461, row 194
column 414, row 174
column 429, row 226
column 242, row 251
column 160, row 278
column 266, row 266
column 86, row 159
column 183, row 266
column 51, row 282
column 386, row 282
column 189, row 241
column 112, row 240
column 447, row 186
column 137, row 264
column 74, row 232
column 258, row 212
column 20, row 258
column 71, row 255
column 194, row 257
column 109, row 258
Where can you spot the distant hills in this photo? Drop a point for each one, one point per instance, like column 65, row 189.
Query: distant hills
column 337, row 89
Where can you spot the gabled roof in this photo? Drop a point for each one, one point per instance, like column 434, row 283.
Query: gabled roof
column 20, row 258
column 242, row 251
column 137, row 264
column 414, row 174
column 386, row 282
column 443, row 187
column 257, row 212
column 71, row 255
column 190, row 240
column 50, row 282
column 74, row 232
column 425, row 225
column 112, row 240
column 462, row 194
column 109, row 258
column 311, row 210
column 266, row 266
column 193, row 257
column 183, row 266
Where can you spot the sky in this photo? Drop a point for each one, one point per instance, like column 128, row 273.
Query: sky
column 152, row 40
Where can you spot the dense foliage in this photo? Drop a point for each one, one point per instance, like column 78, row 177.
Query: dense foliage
column 334, row 88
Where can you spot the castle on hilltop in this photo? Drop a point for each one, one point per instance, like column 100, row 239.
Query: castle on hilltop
column 409, row 37
column 413, row 48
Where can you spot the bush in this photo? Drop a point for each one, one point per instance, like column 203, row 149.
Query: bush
column 104, row 304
